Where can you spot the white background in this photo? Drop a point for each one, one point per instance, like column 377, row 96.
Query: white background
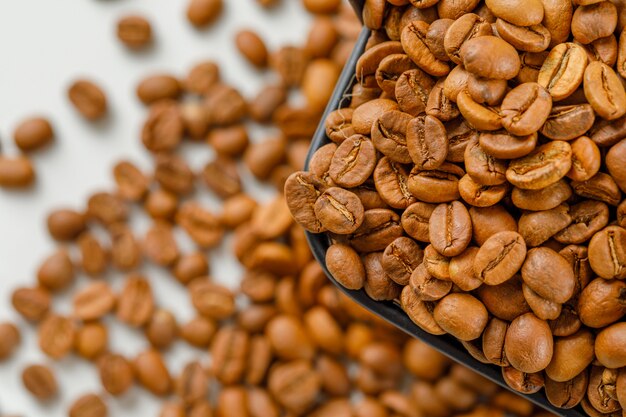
column 44, row 45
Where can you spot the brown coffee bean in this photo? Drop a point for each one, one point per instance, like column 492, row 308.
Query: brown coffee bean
column 461, row 315
column 440, row 106
column 339, row 210
column 225, row 105
column 380, row 227
column 609, row 346
column 88, row 405
column 602, row 303
column 567, row 394
column 65, row 224
column 413, row 88
column 450, row 228
column 426, row 142
column 252, row 47
column 289, row 339
column 229, row 349
column 562, row 71
column 9, row 339
column 106, row 208
column 437, row 264
column 195, row 120
column 572, row 355
column 345, row 266
column 132, row 184
column 510, row 11
column 324, row 330
column 334, row 377
column 261, row 158
column 538, row 226
column 290, row 63
column 163, row 129
column 493, row 342
column 477, row 115
column 436, row 186
column 543, row 199
column 94, row 301
column 389, row 135
column 198, row 331
column 525, row 109
column 162, row 329
column 505, row 301
column 295, row 385
column 390, row 69
column 94, row 257
column 237, row 210
column 192, row 383
column 464, row 28
column 91, row 340
column 477, row 55
column 125, row 250
column 88, row 98
column 364, row 116
column 200, row 224
column 321, row 6
column 232, row 401
column 586, row 159
column 400, row 258
column 159, row 244
column 604, row 90
column 487, row 221
column 461, row 270
column 500, row 257
column 318, row 82
column 322, row 37
column 415, row 220
column 568, row 122
column 135, row 304
column 117, row 374
column 601, row 390
column 607, row 254
column 33, row 303
column 544, row 166
column 222, row 177
column 483, row 168
column 535, row 38
column 390, row 179
column 152, row 373
column 56, row 336
column 528, row 344
column 202, row 13
column 420, row 312
column 56, row 272
column 134, row 32
column 40, row 382
column 600, row 187
column 594, row 21
column 503, row 145
column 16, row 172
column 543, row 308
column 426, row 287
column 338, row 125
column 588, row 217
column 202, row 77
column 158, row 87
column 190, row 266
column 616, row 169
column 33, row 133
column 413, row 38
column 548, row 274
column 211, row 300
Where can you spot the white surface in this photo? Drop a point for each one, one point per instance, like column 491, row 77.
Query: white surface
column 44, row 44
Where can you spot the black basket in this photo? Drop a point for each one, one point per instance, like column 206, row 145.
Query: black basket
column 391, row 311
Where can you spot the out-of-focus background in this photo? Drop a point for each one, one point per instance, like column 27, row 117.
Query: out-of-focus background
column 44, row 46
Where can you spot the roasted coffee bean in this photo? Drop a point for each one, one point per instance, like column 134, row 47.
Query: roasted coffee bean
column 426, row 141
column 9, row 340
column 125, row 250
column 548, row 274
column 159, row 244
column 478, row 116
column 586, row 159
column 482, row 167
column 542, row 199
column 163, row 129
column 94, row 301
column 544, row 166
column 526, row 383
column 609, row 346
column 415, row 220
column 479, row 195
column 202, row 226
column 56, row 336
column 594, row 21
column 413, row 38
column 377, row 285
column 500, row 257
column 390, row 69
column 602, row 302
column 400, row 258
column 33, row 133
column 563, row 70
column 339, row 127
column 455, row 82
column 339, row 210
column 33, row 303
column 567, row 394
column 437, row 264
column 57, row 271
column 211, row 300
column 65, row 224
column 420, row 312
column 106, row 208
column 290, row 63
column 440, row 106
column 601, row 187
column 604, row 90
column 413, row 88
column 195, row 120
column 616, row 169
column 607, row 254
column 601, row 389
column 436, row 186
column 202, row 77
column 503, row 145
column 389, row 135
column 479, row 59
column 525, row 109
column 40, row 382
column 461, row 315
column 426, row 287
column 390, row 179
column 538, row 226
column 198, row 331
column 152, row 373
column 135, row 304
column 568, row 122
column 535, row 38
column 493, row 342
column 370, row 60
column 380, row 227
column 295, row 385
column 509, row 11
column 94, row 257
column 461, row 270
column 588, row 218
column 364, row 116
column 450, row 228
column 252, row 47
column 17, row 172
column 345, row 266
column 505, row 301
column 88, row 405
column 158, row 87
column 486, row 91
column 225, row 105
column 202, row 13
column 528, row 344
column 572, row 355
column 88, row 99
column 91, row 340
column 353, row 161
column 487, row 221
column 460, row 134
column 134, row 31
column 464, row 28
column 162, row 329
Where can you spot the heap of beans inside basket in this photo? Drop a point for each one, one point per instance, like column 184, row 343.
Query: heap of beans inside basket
column 477, row 177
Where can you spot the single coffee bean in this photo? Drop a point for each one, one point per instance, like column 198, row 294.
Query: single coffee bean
column 211, row 300
column 91, row 340
column 588, row 217
column 368, row 63
column 159, row 245
column 259, row 359
column 535, row 38
column 152, row 373
column 616, row 169
column 339, row 127
column 413, row 88
column 493, row 342
column 252, row 47
column 202, row 13
column 568, row 122
column 302, row 190
column 419, row 311
column 345, row 266
column 33, row 303
column 594, row 21
column 601, row 390
column 543, row 308
column 198, row 331
column 367, row 113
column 163, row 129
column 88, row 405
column 426, row 287
column 609, row 346
column 106, row 208
column 196, row 122
column 201, row 225
column 88, row 99
column 158, row 87
column 202, row 77
column 339, row 210
column 586, row 159
column 482, row 167
column 567, row 394
column 604, row 90
column 479, row 195
column 461, row 315
column 162, row 329
column 65, row 224
column 135, row 304
column 33, row 133
column 192, row 383
column 544, row 166
column 503, row 145
column 436, row 186
column 16, row 172
column 94, row 301
column 461, row 270
column 390, row 179
column 510, row 11
column 400, row 258
column 57, row 271
column 455, row 82
column 94, row 257
column 521, row 381
column 505, row 301
column 563, row 70
column 460, row 134
column 607, row 252
column 56, row 336
column 487, row 221
column 486, row 91
column 426, row 141
column 324, row 330
column 528, row 344
column 525, row 109
column 548, row 274
column 322, row 37
column 125, row 250
column 601, row 187
column 289, row 339
column 415, row 220
column 134, row 32
column 572, row 355
column 390, row 69
column 440, row 106
column 377, row 285
column 500, row 257
column 436, row 264
column 479, row 59
column 380, row 227
column 389, row 135
column 465, row 27
column 40, row 382
column 353, row 161
column 413, row 38
column 295, row 385
column 536, row 227
column 542, row 199
column 9, row 339
column 450, row 228
column 602, row 302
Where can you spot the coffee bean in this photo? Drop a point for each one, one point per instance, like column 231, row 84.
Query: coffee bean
column 91, row 340
column 290, row 63
column 202, row 13
column 412, row 90
column 606, row 252
column 88, row 405
column 477, row 55
column 94, row 301
column 544, row 166
column 562, row 71
column 413, row 39
column 594, row 21
column 192, row 383
column 172, row 409
column 252, row 47
column 548, row 274
column 135, row 304
column 539, row 226
column 198, row 331
column 33, row 303
column 339, row 210
column 389, row 70
column 9, row 340
column 57, row 271
column 377, row 285
column 159, row 244
column 450, row 228
column 436, row 186
column 543, row 199
column 134, row 31
column 152, row 373
column 478, row 115
column 162, row 329
column 262, row 158
column 426, row 141
column 528, row 344
column 601, row 187
column 612, row 163
column 94, row 257
column 202, row 226
column 345, row 266
column 568, row 122
column 572, row 355
column 588, row 218
column 440, row 106
column 601, row 388
column 461, row 315
column 426, row 287
column 16, row 172
column 486, row 91
column 604, row 90
column 131, row 182
column 400, row 258
column 322, row 37
column 465, row 27
column 125, row 250
column 202, row 77
column 437, row 264
column 65, row 224
column 33, row 133
column 525, row 109
column 389, row 135
column 380, row 227
column 158, row 87
column 56, row 336
column 225, row 105
column 500, row 257
column 390, row 179
column 420, row 312
column 586, row 159
column 211, row 300
column 106, row 208
column 534, row 38
column 509, row 11
column 415, row 220
column 493, row 342
column 364, row 116
column 163, row 129
column 567, row 394
column 88, row 99
column 260, row 357
column 482, row 167
column 40, row 382
column 461, row 270
column 295, row 385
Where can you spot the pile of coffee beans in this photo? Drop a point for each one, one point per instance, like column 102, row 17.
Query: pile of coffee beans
column 477, row 176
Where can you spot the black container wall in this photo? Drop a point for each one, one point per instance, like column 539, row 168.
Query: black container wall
column 391, row 311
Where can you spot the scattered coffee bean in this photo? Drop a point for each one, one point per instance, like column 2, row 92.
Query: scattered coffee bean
column 33, row 133
column 88, row 99
column 134, row 31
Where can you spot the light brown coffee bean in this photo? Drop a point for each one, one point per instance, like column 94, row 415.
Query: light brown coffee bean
column 437, row 264
column 426, row 287
column 162, row 329
column 380, row 227
column 500, row 257
column 40, row 382
column 56, row 336
column 420, row 312
column 198, row 331
column 290, row 63
column 152, row 373
column 588, row 217
column 505, row 301
column 400, row 258
column 192, row 383
column 436, row 186
column 88, row 405
column 164, row 127
column 477, row 115
column 302, row 190
column 609, row 346
column 91, row 340
column 134, row 32
column 482, row 167
column 572, row 355
column 567, row 394
column 486, row 91
column 601, row 390
column 601, row 187
column 465, row 27
column 57, row 271
column 16, row 172
column 544, row 166
column 202, row 77
column 594, row 21
column 94, row 301
column 413, row 88
column 132, row 184
column 493, row 342
column 607, row 254
column 389, row 135
column 88, row 98
column 94, row 257
column 568, row 122
column 461, row 315
column 252, row 47
column 65, row 224
column 528, row 344
column 230, row 349
column 116, row 373
column 543, row 199
column 450, row 228
column 33, row 303
column 487, row 221
column 9, row 340
column 33, row 133
column 158, row 87
column 510, row 11
column 426, row 141
column 289, row 339
column 525, row 109
column 345, row 266
column 339, row 210
column 601, row 302
column 538, row 226
column 548, row 274
column 390, row 180
column 604, row 91
column 211, row 300
column 535, row 38
column 461, row 270
column 295, row 385
column 159, row 244
column 106, row 208
column 413, row 38
column 415, row 220
column 521, row 381
column 563, row 70
column 202, row 13
column 200, row 224
column 476, row 53
column 135, row 304
column 613, row 158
